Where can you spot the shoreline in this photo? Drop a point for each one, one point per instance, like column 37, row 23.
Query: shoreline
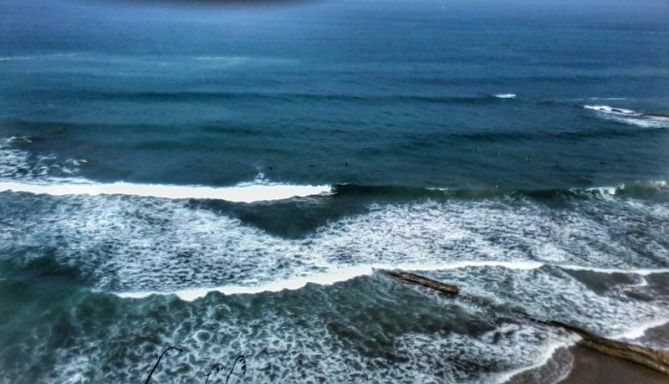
column 588, row 366
column 593, row 367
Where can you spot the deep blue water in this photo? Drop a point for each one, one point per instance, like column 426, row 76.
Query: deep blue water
column 512, row 146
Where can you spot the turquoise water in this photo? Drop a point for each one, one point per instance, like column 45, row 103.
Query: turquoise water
column 229, row 179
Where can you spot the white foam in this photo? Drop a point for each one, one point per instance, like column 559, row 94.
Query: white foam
column 640, row 330
column 541, row 360
column 613, row 110
column 222, row 58
column 15, row 162
column 276, row 286
column 607, row 191
column 337, row 275
column 140, row 246
column 134, row 246
column 505, row 95
column 636, row 271
column 505, row 351
column 241, row 193
column 553, row 295
column 608, row 98
column 658, row 118
column 328, row 278
column 273, row 334
column 148, row 235
column 613, row 190
column 629, row 116
column 644, row 122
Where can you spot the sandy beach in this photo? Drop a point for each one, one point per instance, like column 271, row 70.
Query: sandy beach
column 589, row 366
column 593, row 367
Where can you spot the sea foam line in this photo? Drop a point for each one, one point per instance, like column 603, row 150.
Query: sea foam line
column 343, row 274
column 541, row 360
column 612, row 110
column 628, row 116
column 638, row 331
column 325, row 278
column 636, row 271
column 505, row 95
column 240, row 193
column 634, row 333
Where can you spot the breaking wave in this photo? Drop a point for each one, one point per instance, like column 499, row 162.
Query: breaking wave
column 240, row 193
column 628, row 116
column 130, row 243
column 505, row 95
column 344, row 274
column 120, row 241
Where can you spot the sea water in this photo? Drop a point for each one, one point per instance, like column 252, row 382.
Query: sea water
column 229, row 178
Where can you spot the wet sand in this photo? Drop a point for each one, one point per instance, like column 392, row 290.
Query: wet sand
column 592, row 367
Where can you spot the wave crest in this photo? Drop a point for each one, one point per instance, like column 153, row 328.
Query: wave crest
column 629, row 116
column 240, row 193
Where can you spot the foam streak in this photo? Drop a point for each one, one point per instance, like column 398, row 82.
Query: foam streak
column 241, row 193
column 344, row 274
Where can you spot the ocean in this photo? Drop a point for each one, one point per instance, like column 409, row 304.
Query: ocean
column 232, row 178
